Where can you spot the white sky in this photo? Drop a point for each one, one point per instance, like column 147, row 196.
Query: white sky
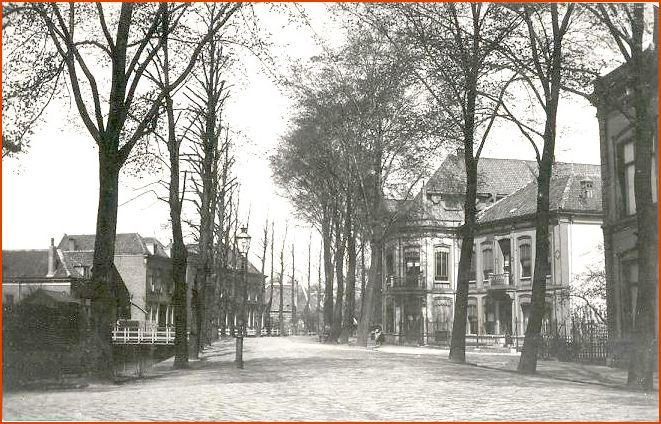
column 52, row 189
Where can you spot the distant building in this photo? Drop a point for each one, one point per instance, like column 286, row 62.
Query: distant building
column 145, row 268
column 230, row 282
column 57, row 275
column 620, row 225
column 287, row 310
column 423, row 249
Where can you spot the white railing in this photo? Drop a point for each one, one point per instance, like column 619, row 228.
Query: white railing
column 133, row 335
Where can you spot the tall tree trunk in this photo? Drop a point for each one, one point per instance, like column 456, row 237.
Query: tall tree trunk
column 328, row 270
column 178, row 252
column 533, row 337
column 306, row 313
column 362, row 273
column 104, row 299
column 336, row 328
column 178, row 248
column 262, row 290
column 372, row 288
column 644, row 337
column 350, row 294
column 293, row 291
column 458, row 340
column 270, row 304
column 281, row 314
column 377, row 232
column 319, row 293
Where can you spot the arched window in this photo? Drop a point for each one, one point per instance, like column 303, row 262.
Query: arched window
column 525, row 256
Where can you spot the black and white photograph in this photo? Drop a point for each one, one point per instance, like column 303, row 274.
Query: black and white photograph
column 330, row 211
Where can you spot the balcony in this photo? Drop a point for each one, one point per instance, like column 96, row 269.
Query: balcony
column 499, row 281
column 406, row 285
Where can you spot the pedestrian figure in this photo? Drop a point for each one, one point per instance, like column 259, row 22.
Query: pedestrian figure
column 379, row 337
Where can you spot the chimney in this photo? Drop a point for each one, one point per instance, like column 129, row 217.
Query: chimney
column 51, row 258
column 72, row 243
column 151, row 247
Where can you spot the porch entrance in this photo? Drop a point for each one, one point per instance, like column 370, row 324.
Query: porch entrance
column 411, row 320
column 497, row 313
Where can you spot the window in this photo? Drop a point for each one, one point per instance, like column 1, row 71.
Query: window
column 525, row 256
column 150, row 280
column 487, row 259
column 390, row 263
column 84, row 271
column 549, row 257
column 412, row 260
column 471, row 272
column 587, row 191
column 442, row 313
column 471, row 314
column 441, row 263
column 626, row 176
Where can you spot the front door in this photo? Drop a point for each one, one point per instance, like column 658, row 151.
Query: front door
column 162, row 315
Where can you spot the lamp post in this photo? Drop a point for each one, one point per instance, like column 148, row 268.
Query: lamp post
column 243, row 244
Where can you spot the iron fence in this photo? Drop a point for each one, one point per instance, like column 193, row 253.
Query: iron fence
column 584, row 342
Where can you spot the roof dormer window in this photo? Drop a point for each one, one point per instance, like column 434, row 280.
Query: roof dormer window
column 587, row 191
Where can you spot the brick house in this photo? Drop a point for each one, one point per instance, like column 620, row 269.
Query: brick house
column 145, row 268
column 60, row 276
column 423, row 248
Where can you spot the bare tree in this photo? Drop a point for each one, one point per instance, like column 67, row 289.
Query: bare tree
column 294, row 289
column 81, row 34
column 207, row 101
column 262, row 290
column 450, row 51
column 546, row 27
column 281, row 315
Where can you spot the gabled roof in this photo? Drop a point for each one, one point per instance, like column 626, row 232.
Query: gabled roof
column 29, row 264
column 74, row 259
column 566, row 195
column 125, row 244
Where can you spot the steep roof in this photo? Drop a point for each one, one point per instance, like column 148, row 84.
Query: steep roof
column 29, row 264
column 125, row 244
column 567, row 194
column 441, row 200
column 494, row 176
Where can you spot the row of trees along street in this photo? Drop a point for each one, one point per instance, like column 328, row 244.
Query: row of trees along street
column 413, row 78
column 371, row 119
column 144, row 78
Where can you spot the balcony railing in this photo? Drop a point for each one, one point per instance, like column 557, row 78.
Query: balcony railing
column 408, row 282
column 500, row 280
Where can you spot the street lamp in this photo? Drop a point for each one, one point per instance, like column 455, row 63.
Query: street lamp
column 243, row 244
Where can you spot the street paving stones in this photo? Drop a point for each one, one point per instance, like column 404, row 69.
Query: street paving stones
column 298, row 379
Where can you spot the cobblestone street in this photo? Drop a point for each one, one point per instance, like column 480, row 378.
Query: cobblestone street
column 297, row 379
